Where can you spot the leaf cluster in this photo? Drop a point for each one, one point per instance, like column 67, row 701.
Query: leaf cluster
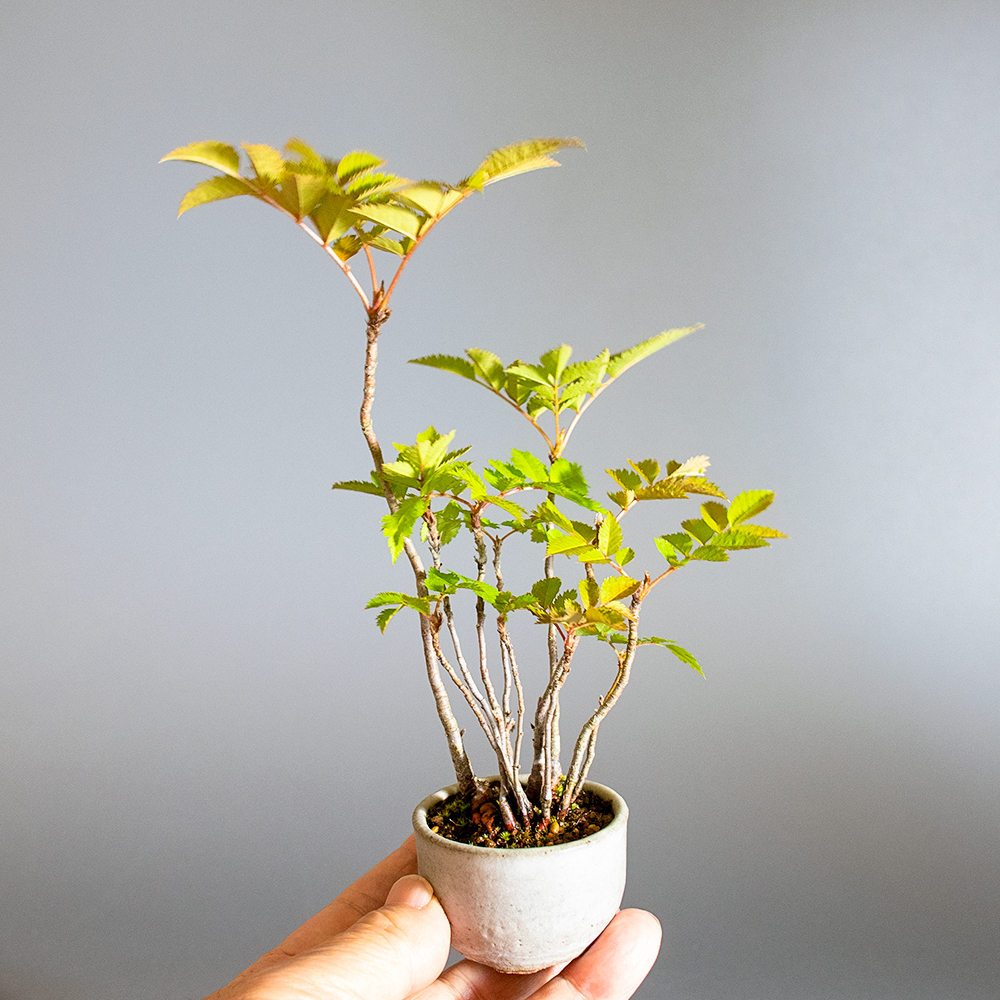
column 553, row 385
column 351, row 202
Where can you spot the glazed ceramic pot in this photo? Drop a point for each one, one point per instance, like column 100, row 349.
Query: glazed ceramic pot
column 524, row 909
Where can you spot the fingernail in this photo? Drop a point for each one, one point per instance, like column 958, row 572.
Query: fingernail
column 410, row 890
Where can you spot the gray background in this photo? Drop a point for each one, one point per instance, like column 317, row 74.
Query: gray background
column 204, row 735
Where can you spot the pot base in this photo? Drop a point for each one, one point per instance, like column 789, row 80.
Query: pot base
column 524, row 909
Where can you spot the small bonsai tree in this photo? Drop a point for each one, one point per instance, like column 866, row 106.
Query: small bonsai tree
column 351, row 207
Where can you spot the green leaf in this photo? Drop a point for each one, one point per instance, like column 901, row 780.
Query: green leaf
column 518, row 158
column 715, row 515
column 399, row 526
column 624, row 360
column 218, row 155
column 431, row 197
column 669, row 551
column 509, row 506
column 569, row 475
column 649, row 468
column 627, row 479
column 394, row 217
column 447, row 363
column 547, row 590
column 532, row 467
column 679, row 651
column 609, row 536
column 300, row 194
column 680, row 541
column 214, row 189
column 554, row 362
column 358, row 486
column 698, row 528
column 356, row 163
column 625, row 556
column 560, row 543
column 737, row 538
column 749, row 504
column 709, row 553
column 332, row 217
column 267, row 162
column 672, row 488
column 488, row 366
column 761, row 531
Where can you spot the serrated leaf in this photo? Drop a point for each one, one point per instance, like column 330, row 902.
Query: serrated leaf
column 308, row 156
column 447, row 363
column 621, row 497
column 431, row 197
column 762, row 531
column 386, row 615
column 532, row 467
column 554, row 362
column 394, row 217
column 669, row 551
column 356, row 163
column 545, row 591
column 398, row 527
column 709, row 553
column 515, row 510
column 673, row 488
column 649, row 469
column 679, row 651
column 568, row 475
column 627, row 479
column 331, row 216
column 358, row 486
column 373, row 188
column 614, row 588
column 695, row 466
column 624, row 360
column 737, row 538
column 680, row 540
column 715, row 514
column 488, row 366
column 560, row 543
column 386, row 244
column 218, row 155
column 214, row 189
column 749, row 504
column 624, row 556
column 698, row 528
column 590, row 592
column 300, row 194
column 267, row 162
column 609, row 536
column 517, row 158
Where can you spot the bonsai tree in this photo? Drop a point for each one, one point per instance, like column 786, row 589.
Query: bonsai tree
column 453, row 523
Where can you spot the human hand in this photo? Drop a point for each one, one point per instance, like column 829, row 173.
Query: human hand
column 386, row 937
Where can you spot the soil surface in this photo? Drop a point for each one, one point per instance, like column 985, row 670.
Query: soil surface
column 479, row 823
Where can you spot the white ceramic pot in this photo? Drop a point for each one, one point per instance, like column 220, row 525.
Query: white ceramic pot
column 524, row 909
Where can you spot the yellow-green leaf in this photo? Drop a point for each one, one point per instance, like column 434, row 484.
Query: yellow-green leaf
column 614, row 588
column 212, row 154
column 268, row 163
column 394, row 217
column 518, row 158
column 214, row 189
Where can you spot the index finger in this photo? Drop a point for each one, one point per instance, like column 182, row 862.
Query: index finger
column 366, row 894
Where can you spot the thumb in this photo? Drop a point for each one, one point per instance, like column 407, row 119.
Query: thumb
column 388, row 954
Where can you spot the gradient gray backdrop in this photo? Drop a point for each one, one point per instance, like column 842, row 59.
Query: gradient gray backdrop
column 204, row 736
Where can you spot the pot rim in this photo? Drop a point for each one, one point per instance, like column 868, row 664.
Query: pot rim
column 618, row 805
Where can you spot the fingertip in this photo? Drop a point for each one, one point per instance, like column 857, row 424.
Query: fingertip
column 410, row 890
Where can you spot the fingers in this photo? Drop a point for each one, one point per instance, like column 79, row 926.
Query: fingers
column 614, row 965
column 388, row 954
column 366, row 894
column 611, row 969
